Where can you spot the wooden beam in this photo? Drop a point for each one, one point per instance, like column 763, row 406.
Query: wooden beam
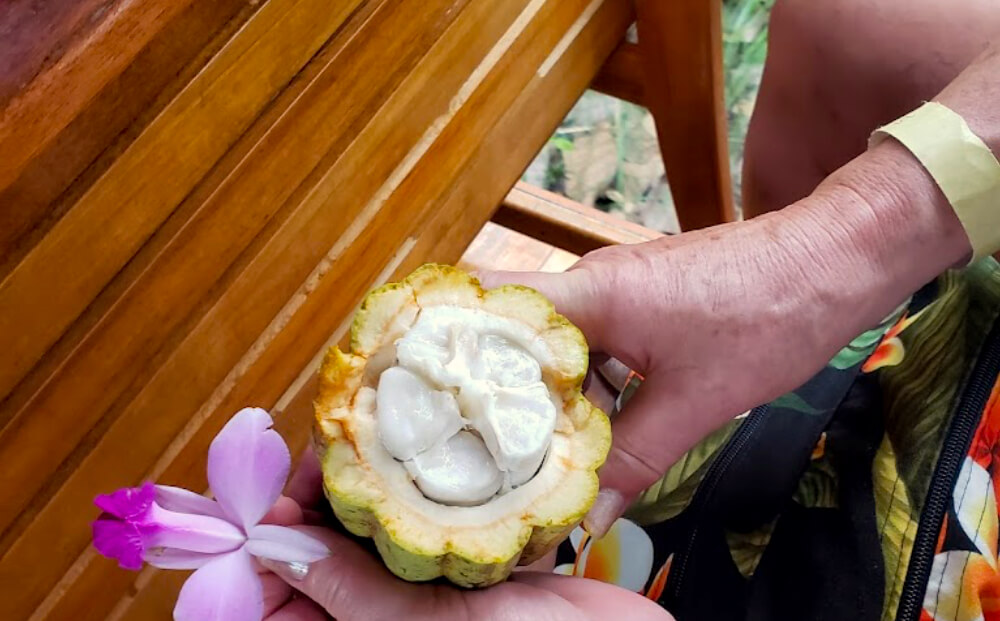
column 564, row 223
column 499, row 248
column 681, row 47
column 622, row 75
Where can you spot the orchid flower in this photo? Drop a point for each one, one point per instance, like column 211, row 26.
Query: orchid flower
column 173, row 528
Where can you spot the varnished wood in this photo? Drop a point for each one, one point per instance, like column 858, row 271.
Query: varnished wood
column 500, row 248
column 681, row 47
column 519, row 133
column 58, row 171
column 92, row 59
column 391, row 146
column 35, row 35
column 623, row 75
column 97, row 235
column 148, row 423
column 564, row 223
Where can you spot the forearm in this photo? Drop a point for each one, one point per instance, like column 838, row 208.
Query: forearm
column 872, row 234
column 880, row 227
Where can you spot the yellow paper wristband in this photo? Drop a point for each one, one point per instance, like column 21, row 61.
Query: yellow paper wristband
column 961, row 164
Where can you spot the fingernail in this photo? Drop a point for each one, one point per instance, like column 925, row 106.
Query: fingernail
column 608, row 506
column 288, row 571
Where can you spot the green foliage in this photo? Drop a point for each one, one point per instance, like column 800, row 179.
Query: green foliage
column 561, row 142
column 744, row 49
column 605, row 152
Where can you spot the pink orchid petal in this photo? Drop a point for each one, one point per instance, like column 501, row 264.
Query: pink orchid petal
column 191, row 532
column 128, row 502
column 248, row 463
column 120, row 541
column 225, row 589
column 284, row 543
column 181, row 500
column 167, row 558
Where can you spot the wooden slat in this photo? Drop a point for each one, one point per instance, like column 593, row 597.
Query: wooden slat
column 281, row 232
column 149, row 423
column 472, row 32
column 54, row 360
column 35, row 35
column 500, row 248
column 105, row 123
column 29, row 120
column 453, row 222
column 96, row 236
column 564, row 223
column 622, row 75
column 306, row 232
column 275, row 261
column 681, row 45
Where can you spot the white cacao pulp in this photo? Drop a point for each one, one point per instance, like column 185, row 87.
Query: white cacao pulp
column 465, row 408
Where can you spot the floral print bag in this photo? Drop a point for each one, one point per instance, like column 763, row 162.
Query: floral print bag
column 867, row 493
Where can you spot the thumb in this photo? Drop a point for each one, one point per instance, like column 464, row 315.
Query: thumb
column 574, row 294
column 654, row 429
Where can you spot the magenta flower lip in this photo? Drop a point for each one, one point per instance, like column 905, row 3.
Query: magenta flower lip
column 174, row 528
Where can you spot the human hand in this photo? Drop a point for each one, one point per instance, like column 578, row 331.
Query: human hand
column 724, row 319
column 353, row 585
column 705, row 318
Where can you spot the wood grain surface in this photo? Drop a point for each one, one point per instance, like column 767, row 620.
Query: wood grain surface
column 680, row 44
column 194, row 197
column 566, row 224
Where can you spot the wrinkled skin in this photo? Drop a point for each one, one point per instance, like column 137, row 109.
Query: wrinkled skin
column 724, row 319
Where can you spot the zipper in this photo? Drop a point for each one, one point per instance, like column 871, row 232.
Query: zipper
column 970, row 408
column 715, row 473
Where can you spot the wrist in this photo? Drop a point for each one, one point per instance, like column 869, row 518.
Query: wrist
column 904, row 223
column 870, row 235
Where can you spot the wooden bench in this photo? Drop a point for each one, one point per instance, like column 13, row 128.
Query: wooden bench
column 195, row 194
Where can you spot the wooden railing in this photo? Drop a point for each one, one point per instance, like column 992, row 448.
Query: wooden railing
column 565, row 224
